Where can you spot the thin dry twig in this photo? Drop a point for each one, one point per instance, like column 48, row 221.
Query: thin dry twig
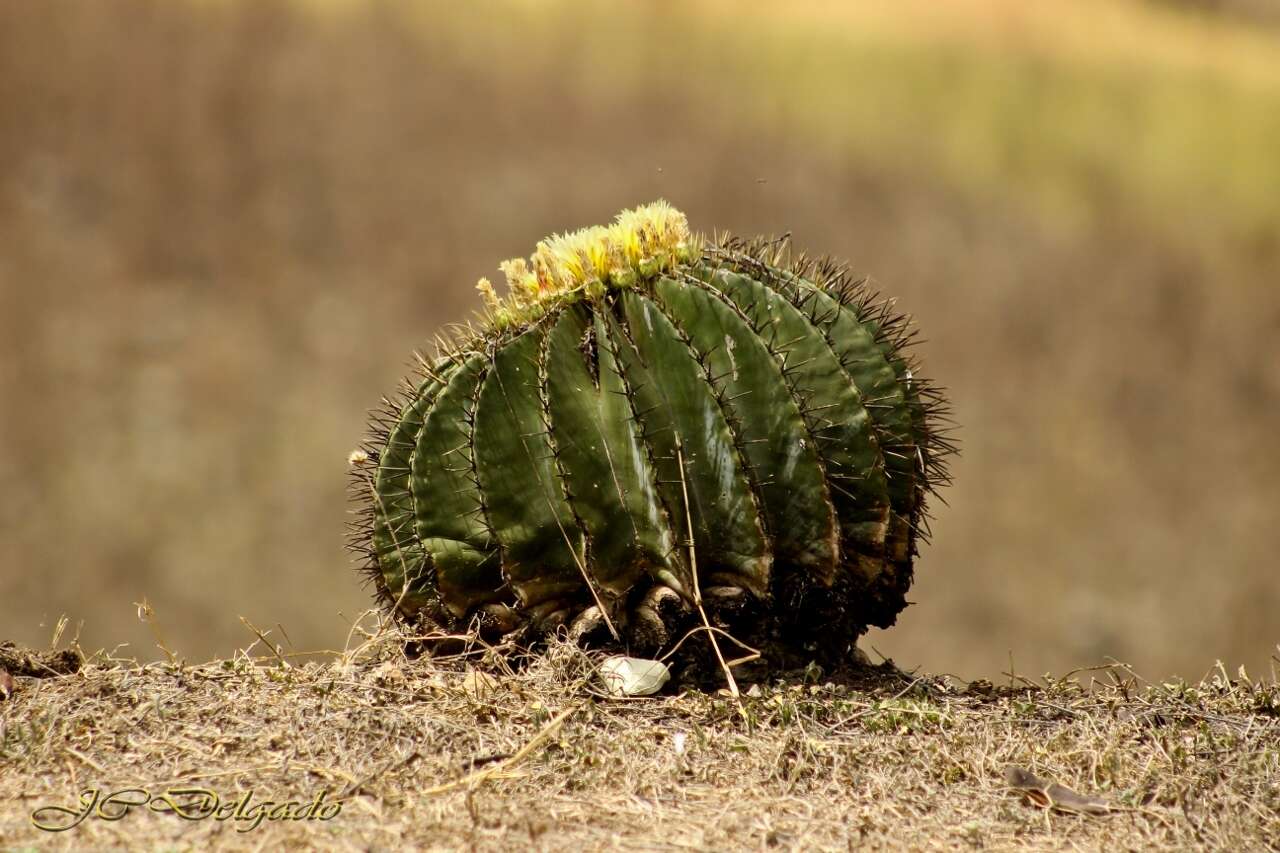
column 697, row 590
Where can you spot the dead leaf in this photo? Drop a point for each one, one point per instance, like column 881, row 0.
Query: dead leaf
column 624, row 676
column 389, row 674
column 1051, row 795
column 6, row 684
column 478, row 685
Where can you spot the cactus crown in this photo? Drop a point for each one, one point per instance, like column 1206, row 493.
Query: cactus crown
column 640, row 243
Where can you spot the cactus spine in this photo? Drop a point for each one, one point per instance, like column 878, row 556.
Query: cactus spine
column 648, row 415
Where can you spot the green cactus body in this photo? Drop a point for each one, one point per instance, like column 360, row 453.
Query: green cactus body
column 606, row 467
column 648, row 413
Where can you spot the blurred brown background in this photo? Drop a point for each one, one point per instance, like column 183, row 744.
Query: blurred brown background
column 224, row 226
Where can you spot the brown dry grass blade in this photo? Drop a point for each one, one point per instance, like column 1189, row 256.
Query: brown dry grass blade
column 1051, row 795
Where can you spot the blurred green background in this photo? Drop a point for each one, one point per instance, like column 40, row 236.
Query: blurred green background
column 224, row 226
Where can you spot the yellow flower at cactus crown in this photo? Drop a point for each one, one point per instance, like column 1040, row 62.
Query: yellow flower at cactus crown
column 640, row 244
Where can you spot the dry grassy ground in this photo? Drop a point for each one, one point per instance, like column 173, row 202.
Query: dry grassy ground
column 450, row 754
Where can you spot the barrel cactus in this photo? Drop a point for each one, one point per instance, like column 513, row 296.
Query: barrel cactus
column 650, row 425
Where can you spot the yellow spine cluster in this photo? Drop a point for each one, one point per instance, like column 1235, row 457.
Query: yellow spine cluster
column 640, row 244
